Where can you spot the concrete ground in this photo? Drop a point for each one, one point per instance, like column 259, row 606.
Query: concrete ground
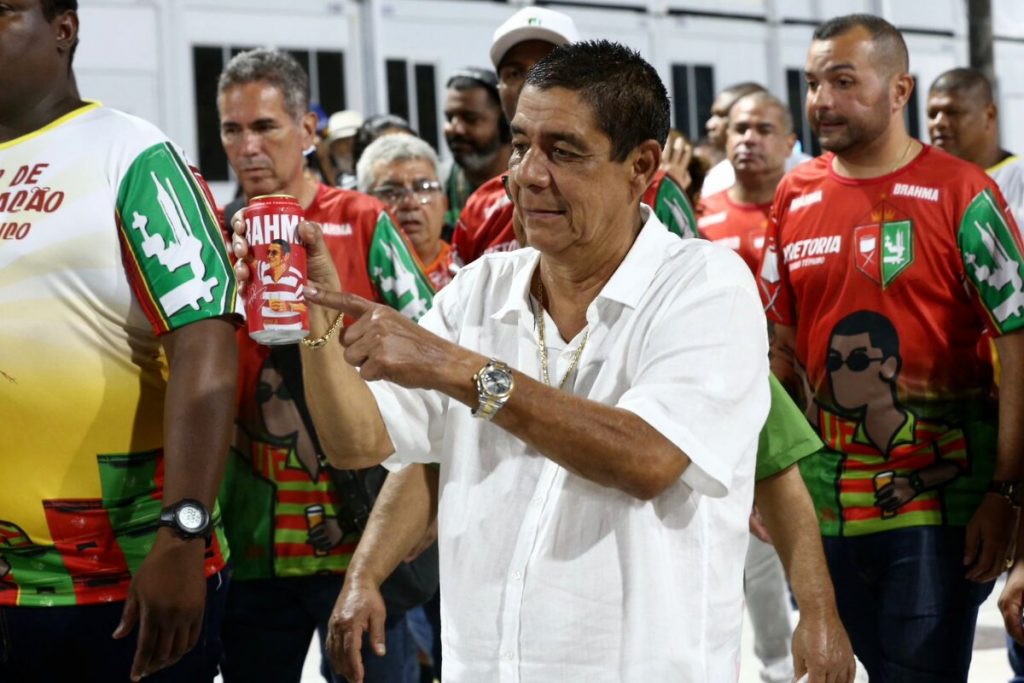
column 988, row 666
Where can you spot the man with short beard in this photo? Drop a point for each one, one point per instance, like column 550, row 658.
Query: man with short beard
column 476, row 132
column 917, row 505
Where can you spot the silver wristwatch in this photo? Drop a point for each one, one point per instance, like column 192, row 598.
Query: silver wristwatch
column 494, row 384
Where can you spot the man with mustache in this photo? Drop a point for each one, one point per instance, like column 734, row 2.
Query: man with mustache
column 882, row 226
column 476, row 131
column 283, row 513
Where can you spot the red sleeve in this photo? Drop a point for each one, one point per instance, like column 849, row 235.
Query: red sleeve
column 772, row 275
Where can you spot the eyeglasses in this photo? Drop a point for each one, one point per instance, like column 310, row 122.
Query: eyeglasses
column 393, row 195
column 857, row 361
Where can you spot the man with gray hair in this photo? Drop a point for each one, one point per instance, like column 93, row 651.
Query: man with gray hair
column 290, row 520
column 402, row 171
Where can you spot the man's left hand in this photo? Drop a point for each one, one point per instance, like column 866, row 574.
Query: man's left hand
column 166, row 599
column 988, row 539
column 822, row 650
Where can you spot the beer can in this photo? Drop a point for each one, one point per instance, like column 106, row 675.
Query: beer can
column 315, row 517
column 274, row 305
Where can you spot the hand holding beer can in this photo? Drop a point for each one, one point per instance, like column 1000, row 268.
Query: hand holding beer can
column 275, row 309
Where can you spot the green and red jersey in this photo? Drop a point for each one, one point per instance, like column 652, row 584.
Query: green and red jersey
column 275, row 491
column 485, row 224
column 741, row 227
column 110, row 240
column 890, row 283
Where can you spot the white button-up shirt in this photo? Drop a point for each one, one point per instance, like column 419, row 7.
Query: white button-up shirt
column 547, row 576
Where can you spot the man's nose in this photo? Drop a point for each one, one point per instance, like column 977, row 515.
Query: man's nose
column 251, row 142
column 531, row 171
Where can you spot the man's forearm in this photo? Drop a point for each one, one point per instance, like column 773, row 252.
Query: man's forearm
column 405, row 508
column 1010, row 450
column 788, row 513
column 199, row 408
column 605, row 444
column 344, row 411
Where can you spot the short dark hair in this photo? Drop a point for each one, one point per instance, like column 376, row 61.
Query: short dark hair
column 277, row 68
column 880, row 330
column 375, row 126
column 286, row 248
column 963, row 79
column 625, row 94
column 52, row 9
column 892, row 48
column 739, row 90
column 471, row 78
column 765, row 98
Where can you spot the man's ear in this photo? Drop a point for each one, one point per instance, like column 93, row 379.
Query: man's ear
column 65, row 27
column 308, row 125
column 645, row 160
column 902, row 88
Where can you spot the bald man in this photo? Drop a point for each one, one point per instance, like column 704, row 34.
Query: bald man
column 963, row 119
column 885, row 261
column 722, row 175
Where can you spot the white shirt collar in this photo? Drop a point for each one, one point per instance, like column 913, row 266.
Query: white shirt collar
column 626, row 285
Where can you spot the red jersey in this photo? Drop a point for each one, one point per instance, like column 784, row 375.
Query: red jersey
column 485, row 224
column 741, row 227
column 890, row 283
column 440, row 269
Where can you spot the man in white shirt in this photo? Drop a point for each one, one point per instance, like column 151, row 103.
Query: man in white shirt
column 572, row 504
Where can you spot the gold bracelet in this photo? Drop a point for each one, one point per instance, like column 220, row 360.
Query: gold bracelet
column 323, row 339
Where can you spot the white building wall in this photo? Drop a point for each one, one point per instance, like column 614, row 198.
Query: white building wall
column 137, row 54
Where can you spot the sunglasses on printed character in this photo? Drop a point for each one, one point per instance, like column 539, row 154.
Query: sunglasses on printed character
column 264, row 392
column 857, row 361
column 393, row 195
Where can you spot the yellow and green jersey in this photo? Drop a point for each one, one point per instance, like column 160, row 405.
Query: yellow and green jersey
column 114, row 243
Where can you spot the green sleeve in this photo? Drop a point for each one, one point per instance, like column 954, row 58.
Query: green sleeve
column 395, row 272
column 786, row 438
column 673, row 209
column 992, row 261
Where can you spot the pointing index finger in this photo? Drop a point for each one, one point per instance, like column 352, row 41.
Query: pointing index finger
column 351, row 305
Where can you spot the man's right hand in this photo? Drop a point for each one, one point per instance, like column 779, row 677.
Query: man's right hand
column 319, row 264
column 358, row 610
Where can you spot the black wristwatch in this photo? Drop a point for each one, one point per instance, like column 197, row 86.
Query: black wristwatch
column 189, row 518
column 1010, row 490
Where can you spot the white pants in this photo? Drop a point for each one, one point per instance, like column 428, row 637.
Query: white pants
column 768, row 605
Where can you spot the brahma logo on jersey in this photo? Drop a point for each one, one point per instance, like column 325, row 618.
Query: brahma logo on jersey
column 883, row 247
column 336, row 230
column 916, row 191
column 805, row 200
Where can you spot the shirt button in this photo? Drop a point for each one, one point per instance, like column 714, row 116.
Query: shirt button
column 517, row 575
column 509, row 655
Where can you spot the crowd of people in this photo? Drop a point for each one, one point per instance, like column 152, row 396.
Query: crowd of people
column 566, row 405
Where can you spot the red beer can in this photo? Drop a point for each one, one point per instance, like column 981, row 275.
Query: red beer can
column 274, row 306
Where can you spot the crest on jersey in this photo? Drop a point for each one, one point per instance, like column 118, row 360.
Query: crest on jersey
column 884, row 247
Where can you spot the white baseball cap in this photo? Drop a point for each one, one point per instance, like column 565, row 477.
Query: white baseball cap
column 532, row 23
column 343, row 124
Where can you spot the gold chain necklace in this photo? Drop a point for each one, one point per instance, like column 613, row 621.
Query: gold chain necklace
column 543, row 351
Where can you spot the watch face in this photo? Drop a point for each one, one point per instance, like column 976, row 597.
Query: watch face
column 496, row 382
column 190, row 517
